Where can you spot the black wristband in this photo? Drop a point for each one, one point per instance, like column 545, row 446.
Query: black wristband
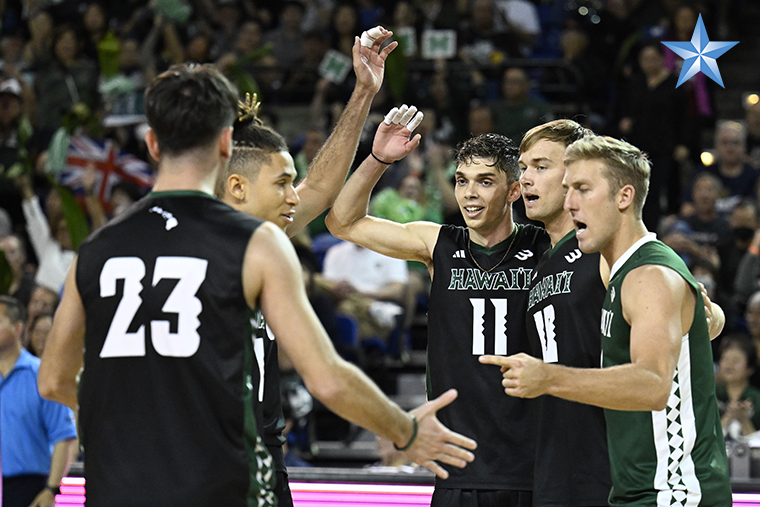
column 381, row 161
column 415, row 429
column 55, row 490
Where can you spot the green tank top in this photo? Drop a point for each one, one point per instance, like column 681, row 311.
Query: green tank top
column 675, row 456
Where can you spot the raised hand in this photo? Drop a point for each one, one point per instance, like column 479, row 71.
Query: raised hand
column 435, row 442
column 392, row 141
column 369, row 61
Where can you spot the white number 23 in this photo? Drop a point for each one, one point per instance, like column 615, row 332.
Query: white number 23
column 190, row 273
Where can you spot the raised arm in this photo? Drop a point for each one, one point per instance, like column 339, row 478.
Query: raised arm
column 272, row 278
column 328, row 170
column 348, row 217
column 63, row 355
column 658, row 320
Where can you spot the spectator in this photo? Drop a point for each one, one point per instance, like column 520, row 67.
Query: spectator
column 652, row 114
column 12, row 50
column 737, row 398
column 480, row 120
column 367, row 286
column 520, row 17
column 344, row 27
column 752, row 120
column 40, row 44
column 744, row 222
column 480, row 37
column 15, row 136
column 446, row 96
column 39, row 437
column 739, row 178
column 51, row 241
column 65, row 79
column 226, row 18
column 286, row 39
column 95, row 26
column 518, row 111
column 682, row 22
column 42, row 301
column 297, row 403
column 313, row 139
column 300, row 84
column 38, row 331
column 704, row 233
column 22, row 282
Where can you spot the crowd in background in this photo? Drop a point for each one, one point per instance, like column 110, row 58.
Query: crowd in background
column 72, row 75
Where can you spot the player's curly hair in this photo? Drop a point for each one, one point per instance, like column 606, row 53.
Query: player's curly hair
column 501, row 151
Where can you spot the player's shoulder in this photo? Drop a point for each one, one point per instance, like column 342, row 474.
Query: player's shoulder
column 532, row 238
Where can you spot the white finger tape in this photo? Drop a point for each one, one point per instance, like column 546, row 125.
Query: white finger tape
column 408, row 115
column 391, row 114
column 415, row 122
column 400, row 113
column 370, row 36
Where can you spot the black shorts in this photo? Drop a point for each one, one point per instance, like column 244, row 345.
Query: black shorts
column 282, row 490
column 444, row 497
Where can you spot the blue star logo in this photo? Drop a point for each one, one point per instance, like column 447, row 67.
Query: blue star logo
column 700, row 54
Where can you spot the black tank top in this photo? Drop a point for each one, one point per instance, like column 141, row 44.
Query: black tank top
column 474, row 312
column 564, row 314
column 166, row 406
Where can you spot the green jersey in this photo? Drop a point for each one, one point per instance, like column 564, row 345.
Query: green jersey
column 675, row 456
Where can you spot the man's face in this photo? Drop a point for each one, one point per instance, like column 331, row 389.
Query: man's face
column 10, row 333
column 541, row 181
column 592, row 208
column 729, row 146
column 752, row 315
column 483, row 194
column 42, row 301
column 10, row 108
column 14, row 253
column 271, row 195
column 705, row 193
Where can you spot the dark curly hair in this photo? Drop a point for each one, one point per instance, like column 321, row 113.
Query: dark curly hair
column 502, row 152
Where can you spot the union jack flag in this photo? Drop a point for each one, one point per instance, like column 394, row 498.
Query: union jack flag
column 112, row 165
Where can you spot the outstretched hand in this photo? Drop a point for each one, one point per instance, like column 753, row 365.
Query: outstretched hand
column 523, row 374
column 392, row 141
column 369, row 62
column 435, row 442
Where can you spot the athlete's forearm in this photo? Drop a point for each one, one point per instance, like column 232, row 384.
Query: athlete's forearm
column 352, row 203
column 624, row 387
column 328, row 170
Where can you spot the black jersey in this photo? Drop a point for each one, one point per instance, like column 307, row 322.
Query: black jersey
column 476, row 311
column 564, row 311
column 268, row 402
column 166, row 408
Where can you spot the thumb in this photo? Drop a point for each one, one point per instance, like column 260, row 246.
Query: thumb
column 437, row 404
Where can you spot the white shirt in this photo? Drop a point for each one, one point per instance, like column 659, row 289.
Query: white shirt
column 366, row 270
column 54, row 260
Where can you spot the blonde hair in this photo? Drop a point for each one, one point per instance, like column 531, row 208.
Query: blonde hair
column 561, row 131
column 624, row 164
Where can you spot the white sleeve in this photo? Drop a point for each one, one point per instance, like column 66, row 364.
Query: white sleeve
column 37, row 227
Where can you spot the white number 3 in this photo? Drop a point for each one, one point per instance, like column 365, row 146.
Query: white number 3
column 190, row 273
